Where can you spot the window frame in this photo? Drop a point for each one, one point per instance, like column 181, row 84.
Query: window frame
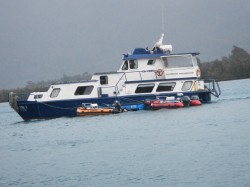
column 149, row 89
column 152, row 62
column 125, row 65
column 184, row 86
column 55, row 92
column 81, row 92
column 135, row 62
column 38, row 96
column 185, row 61
column 171, row 84
column 104, row 81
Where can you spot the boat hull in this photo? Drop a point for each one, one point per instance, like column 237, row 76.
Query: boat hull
column 195, row 103
column 30, row 110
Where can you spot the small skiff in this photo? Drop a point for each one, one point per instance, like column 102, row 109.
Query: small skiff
column 92, row 109
column 158, row 104
column 82, row 111
column 195, row 101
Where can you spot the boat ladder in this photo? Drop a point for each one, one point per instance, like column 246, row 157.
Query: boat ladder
column 213, row 86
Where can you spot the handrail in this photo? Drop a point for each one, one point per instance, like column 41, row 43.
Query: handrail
column 121, row 78
column 218, row 87
column 124, row 75
column 214, row 87
column 116, row 87
column 139, row 72
column 23, row 96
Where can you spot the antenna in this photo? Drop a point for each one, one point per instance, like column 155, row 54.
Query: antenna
column 162, row 18
column 160, row 41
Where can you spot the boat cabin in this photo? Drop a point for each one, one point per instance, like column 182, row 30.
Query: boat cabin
column 143, row 71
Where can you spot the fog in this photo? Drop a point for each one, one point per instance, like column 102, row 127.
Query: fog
column 42, row 40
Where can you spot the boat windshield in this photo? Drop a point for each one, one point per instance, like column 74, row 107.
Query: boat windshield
column 178, row 61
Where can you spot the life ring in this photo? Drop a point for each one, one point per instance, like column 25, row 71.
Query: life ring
column 198, row 72
column 159, row 72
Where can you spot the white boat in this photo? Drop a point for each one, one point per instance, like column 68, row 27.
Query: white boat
column 144, row 74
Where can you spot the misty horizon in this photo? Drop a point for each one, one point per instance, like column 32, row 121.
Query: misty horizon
column 48, row 39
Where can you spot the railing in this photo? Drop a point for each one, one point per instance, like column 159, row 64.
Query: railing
column 20, row 96
column 103, row 93
column 13, row 98
column 125, row 74
column 213, row 86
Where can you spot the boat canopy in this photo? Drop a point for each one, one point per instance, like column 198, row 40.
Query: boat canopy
column 142, row 53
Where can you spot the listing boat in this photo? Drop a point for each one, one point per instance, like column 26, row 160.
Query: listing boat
column 144, row 74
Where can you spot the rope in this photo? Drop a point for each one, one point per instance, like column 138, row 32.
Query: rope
column 74, row 108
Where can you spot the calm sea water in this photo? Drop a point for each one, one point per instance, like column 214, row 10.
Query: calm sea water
column 197, row 146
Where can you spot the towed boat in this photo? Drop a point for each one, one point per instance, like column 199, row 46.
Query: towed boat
column 92, row 109
column 172, row 102
column 158, row 104
column 195, row 101
column 81, row 111
column 143, row 74
column 167, row 102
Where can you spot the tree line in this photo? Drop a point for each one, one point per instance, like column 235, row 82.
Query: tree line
column 234, row 66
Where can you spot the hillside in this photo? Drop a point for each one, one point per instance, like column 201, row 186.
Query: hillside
column 234, row 66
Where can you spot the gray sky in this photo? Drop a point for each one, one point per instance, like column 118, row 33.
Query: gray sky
column 42, row 40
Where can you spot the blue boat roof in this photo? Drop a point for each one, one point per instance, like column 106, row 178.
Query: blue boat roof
column 140, row 53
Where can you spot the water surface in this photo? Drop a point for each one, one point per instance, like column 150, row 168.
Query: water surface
column 197, row 146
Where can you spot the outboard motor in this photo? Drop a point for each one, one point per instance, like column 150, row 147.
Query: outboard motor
column 186, row 101
column 118, row 107
column 147, row 104
column 194, row 97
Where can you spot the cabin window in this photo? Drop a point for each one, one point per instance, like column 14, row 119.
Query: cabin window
column 84, row 90
column 144, row 88
column 151, row 62
column 125, row 65
column 187, row 85
column 103, row 80
column 178, row 61
column 39, row 96
column 55, row 92
column 168, row 86
column 133, row 64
